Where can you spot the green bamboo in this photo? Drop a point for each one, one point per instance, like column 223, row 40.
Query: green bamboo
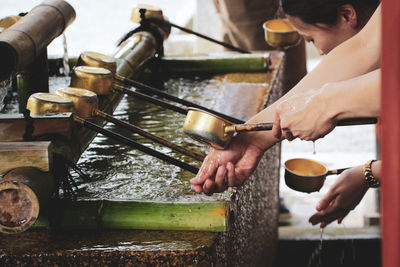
column 150, row 215
column 218, row 64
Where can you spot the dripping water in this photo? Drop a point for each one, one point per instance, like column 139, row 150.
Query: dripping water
column 66, row 68
column 316, row 257
column 313, row 144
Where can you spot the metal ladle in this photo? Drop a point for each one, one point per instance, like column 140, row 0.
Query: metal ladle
column 280, row 33
column 94, row 59
column 46, row 103
column 306, row 175
column 85, row 106
column 215, row 131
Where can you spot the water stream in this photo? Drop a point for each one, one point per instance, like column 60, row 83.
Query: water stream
column 316, row 257
column 66, row 68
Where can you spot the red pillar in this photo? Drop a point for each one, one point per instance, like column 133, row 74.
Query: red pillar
column 390, row 145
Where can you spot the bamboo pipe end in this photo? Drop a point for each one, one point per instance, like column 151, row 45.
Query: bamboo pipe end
column 19, row 207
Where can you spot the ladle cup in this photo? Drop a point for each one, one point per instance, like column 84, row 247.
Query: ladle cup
column 46, row 103
column 94, row 59
column 280, row 33
column 215, row 131
column 306, row 175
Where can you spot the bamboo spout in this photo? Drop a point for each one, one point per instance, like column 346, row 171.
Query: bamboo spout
column 25, row 40
column 23, row 191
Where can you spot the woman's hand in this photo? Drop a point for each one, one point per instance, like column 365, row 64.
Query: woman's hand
column 307, row 116
column 341, row 198
column 229, row 167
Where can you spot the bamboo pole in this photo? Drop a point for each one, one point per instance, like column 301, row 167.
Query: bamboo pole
column 151, row 215
column 218, row 64
column 23, row 192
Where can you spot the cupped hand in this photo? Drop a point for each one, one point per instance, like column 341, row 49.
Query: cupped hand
column 229, row 167
column 305, row 116
column 341, row 198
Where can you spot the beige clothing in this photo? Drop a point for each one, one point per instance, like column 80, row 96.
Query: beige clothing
column 242, row 22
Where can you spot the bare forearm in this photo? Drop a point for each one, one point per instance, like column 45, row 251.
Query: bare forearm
column 357, row 56
column 357, row 97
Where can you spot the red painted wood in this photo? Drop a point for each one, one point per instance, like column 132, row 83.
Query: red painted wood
column 390, row 144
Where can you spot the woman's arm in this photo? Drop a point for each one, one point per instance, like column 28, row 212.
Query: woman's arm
column 313, row 114
column 344, row 195
column 356, row 56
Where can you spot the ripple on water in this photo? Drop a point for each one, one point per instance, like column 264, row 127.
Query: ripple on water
column 119, row 172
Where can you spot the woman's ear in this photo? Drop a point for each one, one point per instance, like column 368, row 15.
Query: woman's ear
column 348, row 15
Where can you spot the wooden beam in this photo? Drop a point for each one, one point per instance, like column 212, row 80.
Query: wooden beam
column 20, row 154
column 12, row 126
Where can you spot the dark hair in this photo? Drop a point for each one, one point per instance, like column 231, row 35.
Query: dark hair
column 326, row 11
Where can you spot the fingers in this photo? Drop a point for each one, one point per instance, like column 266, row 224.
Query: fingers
column 208, row 186
column 220, row 178
column 207, row 170
column 231, row 174
column 326, row 200
column 276, row 128
column 197, row 188
column 332, row 217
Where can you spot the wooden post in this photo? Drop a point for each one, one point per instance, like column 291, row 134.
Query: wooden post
column 390, row 146
column 13, row 126
column 23, row 192
column 19, row 154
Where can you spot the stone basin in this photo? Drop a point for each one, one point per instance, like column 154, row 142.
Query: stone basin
column 253, row 216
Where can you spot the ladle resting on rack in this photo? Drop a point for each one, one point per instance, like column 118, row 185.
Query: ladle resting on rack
column 46, row 103
column 218, row 132
column 94, row 59
column 85, row 106
column 145, row 14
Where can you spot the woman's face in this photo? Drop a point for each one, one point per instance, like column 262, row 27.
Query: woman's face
column 324, row 37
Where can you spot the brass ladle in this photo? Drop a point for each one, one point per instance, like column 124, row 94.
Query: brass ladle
column 85, row 106
column 280, row 33
column 306, row 175
column 94, row 59
column 46, row 103
column 215, row 131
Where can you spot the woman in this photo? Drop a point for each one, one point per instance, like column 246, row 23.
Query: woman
column 357, row 56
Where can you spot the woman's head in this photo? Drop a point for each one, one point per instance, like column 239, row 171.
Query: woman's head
column 327, row 23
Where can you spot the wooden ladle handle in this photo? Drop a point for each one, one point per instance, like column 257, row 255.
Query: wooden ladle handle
column 337, row 171
column 249, row 127
column 357, row 121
